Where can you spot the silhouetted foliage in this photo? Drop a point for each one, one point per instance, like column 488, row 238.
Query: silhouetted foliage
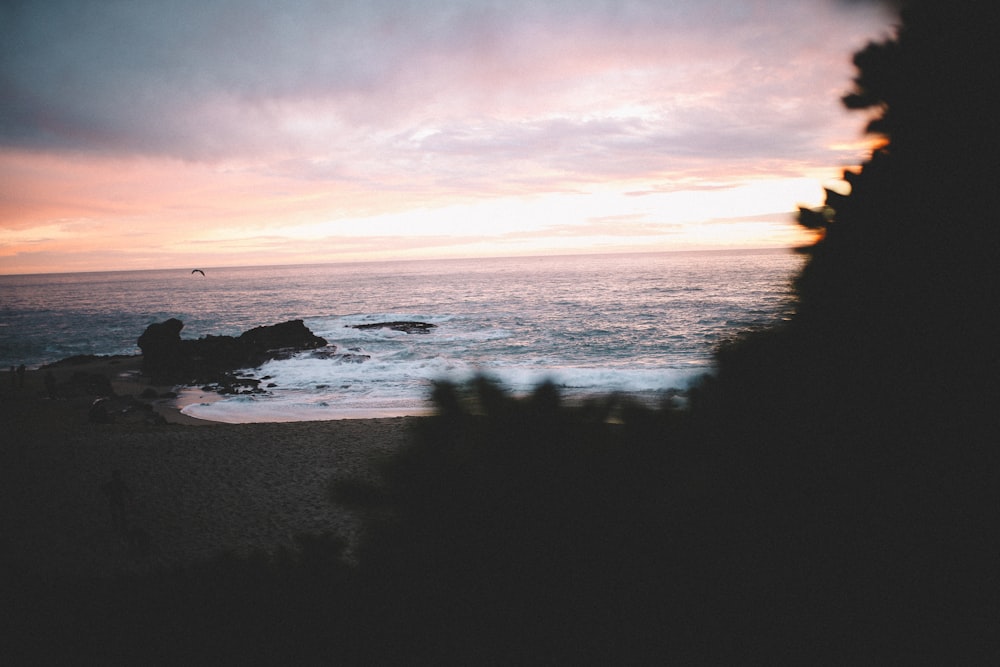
column 912, row 250
column 873, row 413
column 830, row 495
column 523, row 531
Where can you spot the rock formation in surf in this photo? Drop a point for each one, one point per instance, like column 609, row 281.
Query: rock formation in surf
column 405, row 327
column 168, row 359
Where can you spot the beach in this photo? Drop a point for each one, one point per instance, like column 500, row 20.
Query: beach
column 196, row 489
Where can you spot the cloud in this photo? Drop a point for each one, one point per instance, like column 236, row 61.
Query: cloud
column 213, row 80
column 203, row 122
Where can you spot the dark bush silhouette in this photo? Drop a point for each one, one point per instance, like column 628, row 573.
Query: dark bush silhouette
column 831, row 494
column 873, row 413
column 523, row 531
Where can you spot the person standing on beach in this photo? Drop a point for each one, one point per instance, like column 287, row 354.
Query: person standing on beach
column 118, row 495
column 20, row 375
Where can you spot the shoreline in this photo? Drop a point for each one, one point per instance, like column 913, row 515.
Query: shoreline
column 175, row 410
column 127, row 382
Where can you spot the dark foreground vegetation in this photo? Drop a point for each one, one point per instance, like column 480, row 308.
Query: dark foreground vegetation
column 829, row 497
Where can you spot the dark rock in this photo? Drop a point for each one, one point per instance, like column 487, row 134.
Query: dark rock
column 123, row 410
column 353, row 358
column 161, row 335
column 98, row 413
column 291, row 335
column 160, row 344
column 332, row 354
column 238, row 386
column 405, row 327
column 79, row 384
column 81, row 359
column 324, row 353
column 168, row 359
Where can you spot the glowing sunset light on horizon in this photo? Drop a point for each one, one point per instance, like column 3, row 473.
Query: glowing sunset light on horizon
column 192, row 134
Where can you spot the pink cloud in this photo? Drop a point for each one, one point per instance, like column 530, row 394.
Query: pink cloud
column 171, row 120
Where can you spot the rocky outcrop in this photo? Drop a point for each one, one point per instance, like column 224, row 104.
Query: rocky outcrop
column 405, row 327
column 79, row 384
column 122, row 410
column 161, row 349
column 351, row 356
column 292, row 335
column 167, row 359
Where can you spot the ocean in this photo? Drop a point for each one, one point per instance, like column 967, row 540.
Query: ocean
column 640, row 324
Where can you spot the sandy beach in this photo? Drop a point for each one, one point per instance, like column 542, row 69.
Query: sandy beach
column 197, row 488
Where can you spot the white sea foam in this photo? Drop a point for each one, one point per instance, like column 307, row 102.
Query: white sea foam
column 267, row 409
column 306, row 388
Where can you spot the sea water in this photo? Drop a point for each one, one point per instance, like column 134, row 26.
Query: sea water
column 640, row 324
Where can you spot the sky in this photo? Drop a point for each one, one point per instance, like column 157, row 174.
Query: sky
column 208, row 133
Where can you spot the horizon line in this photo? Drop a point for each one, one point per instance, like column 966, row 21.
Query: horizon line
column 208, row 268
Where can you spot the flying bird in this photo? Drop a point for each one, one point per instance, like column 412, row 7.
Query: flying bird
column 198, row 271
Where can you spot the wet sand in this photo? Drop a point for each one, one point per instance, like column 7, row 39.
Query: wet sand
column 197, row 488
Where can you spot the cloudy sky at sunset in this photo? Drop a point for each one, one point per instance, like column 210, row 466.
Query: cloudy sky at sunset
column 140, row 134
